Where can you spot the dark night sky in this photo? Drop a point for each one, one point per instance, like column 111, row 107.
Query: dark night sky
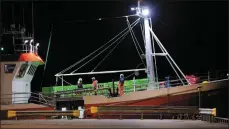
column 194, row 33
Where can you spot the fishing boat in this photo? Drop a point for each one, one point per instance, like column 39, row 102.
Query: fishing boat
column 191, row 90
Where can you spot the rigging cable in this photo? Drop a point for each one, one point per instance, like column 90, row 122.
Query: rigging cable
column 142, row 29
column 110, row 52
column 165, row 51
column 65, row 81
column 101, row 51
column 46, row 59
column 133, row 72
column 73, row 65
column 128, row 23
column 99, row 19
column 136, row 40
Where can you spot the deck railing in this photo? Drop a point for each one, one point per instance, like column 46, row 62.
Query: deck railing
column 105, row 89
column 27, row 97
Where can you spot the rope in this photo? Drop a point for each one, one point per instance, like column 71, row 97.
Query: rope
column 65, row 81
column 100, row 19
column 110, row 52
column 142, row 29
column 133, row 72
column 136, row 39
column 128, row 23
column 73, row 65
column 100, row 52
column 46, row 60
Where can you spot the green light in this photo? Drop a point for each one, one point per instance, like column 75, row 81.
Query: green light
column 2, row 49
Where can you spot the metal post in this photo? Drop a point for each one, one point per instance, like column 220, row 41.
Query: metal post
column 62, row 81
column 199, row 96
column 160, row 44
column 149, row 59
column 208, row 76
column 141, row 116
column 134, row 84
column 56, row 80
column 154, row 59
column 31, row 47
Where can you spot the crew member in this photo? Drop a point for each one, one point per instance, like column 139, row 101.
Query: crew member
column 95, row 84
column 121, row 85
column 167, row 82
column 80, row 83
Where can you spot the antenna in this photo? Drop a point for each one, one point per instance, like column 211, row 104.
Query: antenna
column 23, row 17
column 13, row 16
column 32, row 22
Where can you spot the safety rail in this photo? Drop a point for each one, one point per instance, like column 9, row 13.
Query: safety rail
column 9, row 114
column 221, row 120
column 26, row 48
column 80, row 92
column 17, row 98
column 179, row 112
column 205, row 77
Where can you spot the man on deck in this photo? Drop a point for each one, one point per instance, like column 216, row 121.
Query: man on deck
column 80, row 83
column 94, row 83
column 121, row 85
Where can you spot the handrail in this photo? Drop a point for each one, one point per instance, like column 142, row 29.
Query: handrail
column 221, row 120
column 33, row 96
column 26, row 93
column 143, row 86
column 23, row 100
column 139, row 87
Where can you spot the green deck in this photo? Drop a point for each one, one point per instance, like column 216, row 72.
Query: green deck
column 129, row 86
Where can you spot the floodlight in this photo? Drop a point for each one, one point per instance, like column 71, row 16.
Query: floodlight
column 26, row 41
column 31, row 40
column 37, row 44
column 145, row 12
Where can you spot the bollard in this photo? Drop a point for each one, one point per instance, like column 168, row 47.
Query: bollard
column 98, row 116
column 160, row 116
column 141, row 116
column 120, row 117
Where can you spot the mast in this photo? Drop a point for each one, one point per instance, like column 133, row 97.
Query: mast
column 143, row 12
column 150, row 54
column 149, row 57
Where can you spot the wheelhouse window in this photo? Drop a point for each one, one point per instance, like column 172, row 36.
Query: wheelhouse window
column 9, row 68
column 22, row 70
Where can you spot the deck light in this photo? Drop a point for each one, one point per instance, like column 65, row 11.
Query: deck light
column 31, row 41
column 26, row 41
column 132, row 9
column 37, row 44
column 145, row 12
